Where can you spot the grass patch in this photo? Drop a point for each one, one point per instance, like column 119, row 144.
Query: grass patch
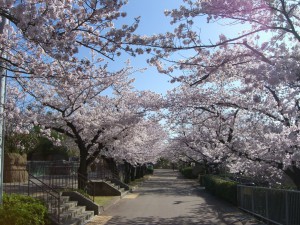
column 103, row 200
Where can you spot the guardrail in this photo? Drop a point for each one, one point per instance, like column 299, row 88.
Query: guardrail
column 277, row 206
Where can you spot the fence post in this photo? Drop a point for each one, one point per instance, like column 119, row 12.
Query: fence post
column 286, row 208
column 239, row 197
column 28, row 186
column 267, row 204
column 252, row 199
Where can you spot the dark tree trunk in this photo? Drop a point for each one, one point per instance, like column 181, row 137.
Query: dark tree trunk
column 293, row 173
column 82, row 170
column 114, row 169
column 144, row 170
column 127, row 172
column 138, row 172
column 132, row 173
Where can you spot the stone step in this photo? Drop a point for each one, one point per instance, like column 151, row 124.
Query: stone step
column 51, row 199
column 63, row 206
column 80, row 219
column 68, row 205
column 71, row 213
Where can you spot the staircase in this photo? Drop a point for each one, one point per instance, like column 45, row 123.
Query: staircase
column 61, row 210
column 67, row 210
column 71, row 213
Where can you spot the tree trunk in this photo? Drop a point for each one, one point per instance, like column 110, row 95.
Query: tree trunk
column 293, row 173
column 132, row 173
column 114, row 169
column 127, row 172
column 82, row 170
column 144, row 169
column 138, row 172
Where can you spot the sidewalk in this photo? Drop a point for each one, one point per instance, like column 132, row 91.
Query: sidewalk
column 168, row 199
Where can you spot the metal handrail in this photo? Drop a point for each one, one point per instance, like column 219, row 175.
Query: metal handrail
column 69, row 180
column 47, row 193
column 90, row 184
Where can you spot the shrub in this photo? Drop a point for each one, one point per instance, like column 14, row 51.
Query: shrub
column 220, row 187
column 21, row 210
column 149, row 170
column 187, row 172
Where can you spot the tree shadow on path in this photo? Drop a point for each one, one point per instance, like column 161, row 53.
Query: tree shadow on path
column 189, row 204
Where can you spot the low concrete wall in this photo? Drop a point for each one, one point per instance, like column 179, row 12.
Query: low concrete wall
column 104, row 189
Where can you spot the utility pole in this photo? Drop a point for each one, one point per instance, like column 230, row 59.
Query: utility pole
column 3, row 72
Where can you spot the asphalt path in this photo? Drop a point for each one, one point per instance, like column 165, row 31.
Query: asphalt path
column 168, row 199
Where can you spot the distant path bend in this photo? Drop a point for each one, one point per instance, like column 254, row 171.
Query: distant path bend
column 168, row 199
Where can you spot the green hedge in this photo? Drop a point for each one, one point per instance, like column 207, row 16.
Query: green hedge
column 220, row 187
column 187, row 172
column 21, row 210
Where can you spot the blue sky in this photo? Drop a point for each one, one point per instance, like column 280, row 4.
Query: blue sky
column 153, row 21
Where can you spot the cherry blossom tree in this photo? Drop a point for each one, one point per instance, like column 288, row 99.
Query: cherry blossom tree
column 199, row 128
column 74, row 104
column 268, row 34
column 54, row 87
column 248, row 81
column 250, row 132
column 40, row 33
column 143, row 144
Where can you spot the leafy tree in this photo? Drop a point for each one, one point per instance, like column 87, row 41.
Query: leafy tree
column 33, row 144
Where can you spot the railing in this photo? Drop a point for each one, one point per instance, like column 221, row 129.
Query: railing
column 15, row 181
column 64, row 177
column 89, row 186
column 277, row 206
column 62, row 167
column 50, row 196
column 18, row 181
column 103, row 174
column 50, row 177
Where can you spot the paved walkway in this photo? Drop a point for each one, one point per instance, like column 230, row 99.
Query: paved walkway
column 168, row 199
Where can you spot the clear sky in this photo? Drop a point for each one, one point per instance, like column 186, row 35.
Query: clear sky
column 153, row 21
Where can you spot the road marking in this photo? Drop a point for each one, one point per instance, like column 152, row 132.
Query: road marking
column 131, row 196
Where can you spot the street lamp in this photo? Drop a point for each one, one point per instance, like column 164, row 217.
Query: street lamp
column 3, row 72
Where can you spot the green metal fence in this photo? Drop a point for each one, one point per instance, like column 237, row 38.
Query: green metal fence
column 273, row 205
